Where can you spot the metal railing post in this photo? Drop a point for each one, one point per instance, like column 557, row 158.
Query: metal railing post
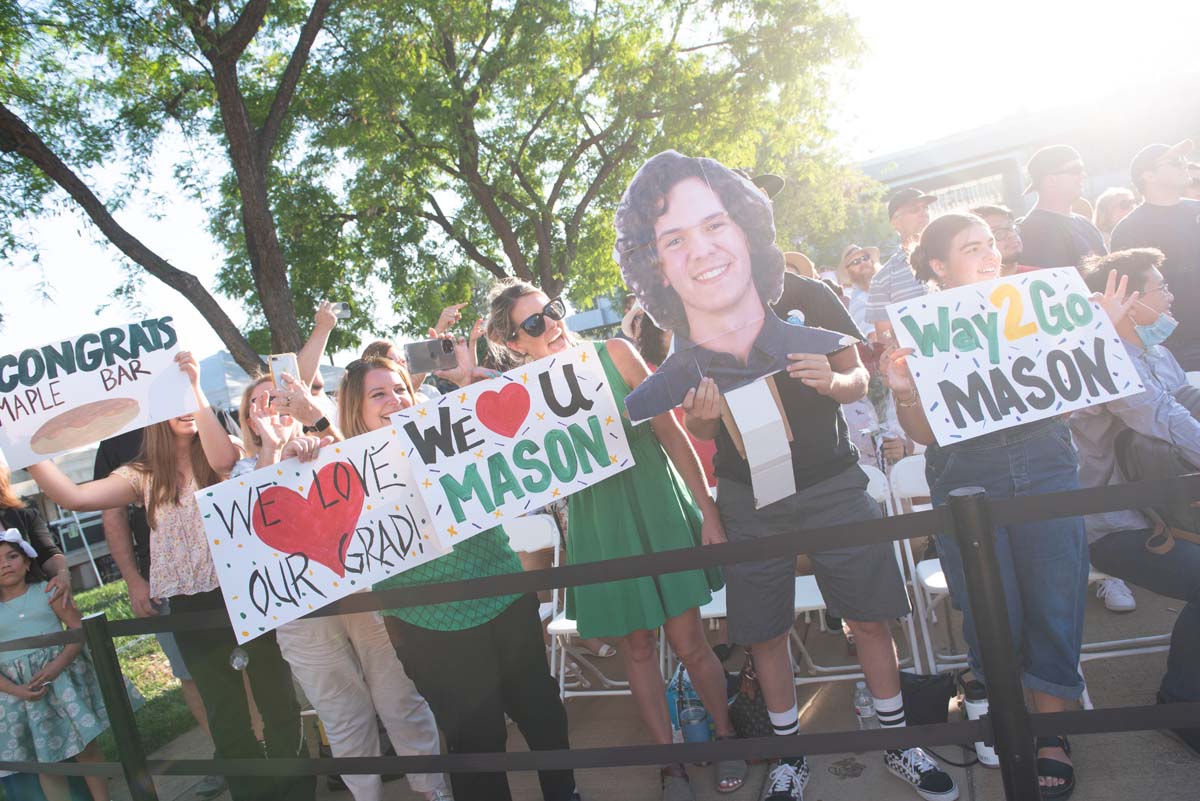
column 120, row 713
column 1011, row 725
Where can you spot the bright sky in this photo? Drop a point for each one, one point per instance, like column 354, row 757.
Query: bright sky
column 981, row 62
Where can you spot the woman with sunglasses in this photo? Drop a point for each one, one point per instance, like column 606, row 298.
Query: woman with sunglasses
column 651, row 507
column 476, row 660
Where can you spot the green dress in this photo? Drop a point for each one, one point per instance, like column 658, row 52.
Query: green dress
column 645, row 509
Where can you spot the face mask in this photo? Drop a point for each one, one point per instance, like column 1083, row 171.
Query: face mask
column 1157, row 331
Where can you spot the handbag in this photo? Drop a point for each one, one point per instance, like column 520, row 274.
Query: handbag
column 748, row 708
column 927, row 697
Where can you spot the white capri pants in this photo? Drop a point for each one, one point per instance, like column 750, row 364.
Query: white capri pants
column 347, row 667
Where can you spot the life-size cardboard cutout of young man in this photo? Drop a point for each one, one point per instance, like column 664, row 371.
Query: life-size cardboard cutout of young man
column 696, row 244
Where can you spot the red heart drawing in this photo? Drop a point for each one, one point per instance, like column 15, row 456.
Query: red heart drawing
column 503, row 411
column 314, row 525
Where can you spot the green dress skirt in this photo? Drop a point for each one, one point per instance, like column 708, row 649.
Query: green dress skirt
column 645, row 509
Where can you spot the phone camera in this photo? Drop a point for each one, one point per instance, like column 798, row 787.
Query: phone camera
column 447, row 346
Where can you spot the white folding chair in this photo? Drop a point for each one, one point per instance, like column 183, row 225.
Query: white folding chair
column 531, row 534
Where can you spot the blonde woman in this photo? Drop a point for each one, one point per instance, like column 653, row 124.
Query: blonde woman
column 1113, row 205
column 344, row 663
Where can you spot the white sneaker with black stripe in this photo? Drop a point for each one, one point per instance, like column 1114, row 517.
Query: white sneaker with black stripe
column 917, row 768
column 785, row 781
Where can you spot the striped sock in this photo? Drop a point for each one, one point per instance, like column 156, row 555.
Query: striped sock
column 890, row 711
column 786, row 722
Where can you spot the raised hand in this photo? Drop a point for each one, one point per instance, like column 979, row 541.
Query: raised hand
column 1113, row 301
column 451, row 315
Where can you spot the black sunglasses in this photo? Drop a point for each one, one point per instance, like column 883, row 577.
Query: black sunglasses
column 535, row 324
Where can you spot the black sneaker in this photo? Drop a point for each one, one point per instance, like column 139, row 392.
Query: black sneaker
column 785, row 781
column 917, row 768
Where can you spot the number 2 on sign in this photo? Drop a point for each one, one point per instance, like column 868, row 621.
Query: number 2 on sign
column 1013, row 328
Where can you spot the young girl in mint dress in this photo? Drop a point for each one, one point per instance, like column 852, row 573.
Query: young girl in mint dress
column 50, row 703
column 660, row 504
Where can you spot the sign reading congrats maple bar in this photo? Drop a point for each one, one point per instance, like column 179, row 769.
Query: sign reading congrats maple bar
column 293, row 537
column 504, row 447
column 77, row 391
column 1001, row 353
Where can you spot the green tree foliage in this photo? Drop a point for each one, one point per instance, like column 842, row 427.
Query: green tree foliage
column 401, row 155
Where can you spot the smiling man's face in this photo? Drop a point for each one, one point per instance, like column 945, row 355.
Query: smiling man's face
column 704, row 255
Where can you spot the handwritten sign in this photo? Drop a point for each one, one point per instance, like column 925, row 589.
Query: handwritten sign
column 500, row 448
column 997, row 354
column 77, row 391
column 293, row 537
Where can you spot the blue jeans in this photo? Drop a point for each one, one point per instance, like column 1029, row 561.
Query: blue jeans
column 1043, row 565
column 1175, row 574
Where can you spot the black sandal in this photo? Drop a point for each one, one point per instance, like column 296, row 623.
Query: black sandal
column 1055, row 769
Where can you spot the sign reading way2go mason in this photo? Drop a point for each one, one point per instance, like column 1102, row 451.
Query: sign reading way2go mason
column 500, row 448
column 1001, row 353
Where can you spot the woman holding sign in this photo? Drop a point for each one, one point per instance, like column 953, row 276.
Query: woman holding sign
column 344, row 663
column 1044, row 564
column 477, row 660
column 652, row 507
column 179, row 456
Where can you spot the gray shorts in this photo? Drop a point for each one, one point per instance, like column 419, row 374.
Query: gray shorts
column 860, row 582
column 166, row 641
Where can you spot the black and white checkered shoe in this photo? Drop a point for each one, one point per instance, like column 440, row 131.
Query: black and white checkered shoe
column 917, row 768
column 785, row 781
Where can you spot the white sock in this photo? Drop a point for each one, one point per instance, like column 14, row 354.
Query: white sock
column 786, row 722
column 890, row 711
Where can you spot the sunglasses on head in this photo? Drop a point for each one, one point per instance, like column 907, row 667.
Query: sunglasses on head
column 535, row 324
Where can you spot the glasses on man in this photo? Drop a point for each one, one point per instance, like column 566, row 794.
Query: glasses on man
column 535, row 324
column 864, row 258
column 1165, row 289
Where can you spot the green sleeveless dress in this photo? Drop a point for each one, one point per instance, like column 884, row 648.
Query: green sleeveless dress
column 645, row 509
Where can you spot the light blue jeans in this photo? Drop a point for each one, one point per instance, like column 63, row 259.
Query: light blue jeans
column 1043, row 565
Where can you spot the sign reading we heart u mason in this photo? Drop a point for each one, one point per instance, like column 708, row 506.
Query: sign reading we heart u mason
column 293, row 537
column 1000, row 353
column 497, row 449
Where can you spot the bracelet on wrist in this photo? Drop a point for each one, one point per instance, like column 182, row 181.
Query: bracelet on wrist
column 908, row 404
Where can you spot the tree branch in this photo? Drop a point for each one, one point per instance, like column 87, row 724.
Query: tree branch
column 476, row 255
column 19, row 138
column 234, row 41
column 291, row 77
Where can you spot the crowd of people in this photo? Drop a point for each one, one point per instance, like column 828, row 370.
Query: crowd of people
column 463, row 668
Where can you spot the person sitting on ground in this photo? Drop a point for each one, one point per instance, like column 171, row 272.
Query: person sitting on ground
column 1156, row 433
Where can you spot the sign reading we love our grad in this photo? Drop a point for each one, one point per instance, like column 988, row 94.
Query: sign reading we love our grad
column 80, row 390
column 1001, row 353
column 498, row 449
column 293, row 537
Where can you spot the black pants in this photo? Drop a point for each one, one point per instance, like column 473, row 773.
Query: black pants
column 472, row 678
column 206, row 654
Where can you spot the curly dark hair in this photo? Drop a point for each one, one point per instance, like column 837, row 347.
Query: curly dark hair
column 645, row 200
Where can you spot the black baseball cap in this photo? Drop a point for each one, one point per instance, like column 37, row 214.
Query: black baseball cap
column 1048, row 161
column 902, row 197
column 1149, row 157
column 768, row 182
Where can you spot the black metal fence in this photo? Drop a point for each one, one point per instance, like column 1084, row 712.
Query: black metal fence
column 971, row 517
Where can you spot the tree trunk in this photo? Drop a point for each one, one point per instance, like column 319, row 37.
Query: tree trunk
column 258, row 223
column 19, row 138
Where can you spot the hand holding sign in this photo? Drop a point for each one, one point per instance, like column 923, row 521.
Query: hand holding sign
column 504, row 447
